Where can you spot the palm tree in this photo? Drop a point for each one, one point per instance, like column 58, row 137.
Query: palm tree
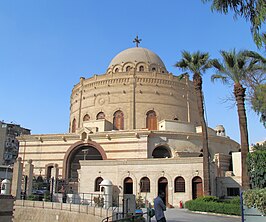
column 236, row 67
column 197, row 63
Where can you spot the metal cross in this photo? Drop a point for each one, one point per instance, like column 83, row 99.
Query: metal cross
column 137, row 41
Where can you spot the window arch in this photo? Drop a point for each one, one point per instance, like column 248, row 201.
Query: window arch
column 145, row 185
column 151, row 120
column 98, row 180
column 161, row 152
column 118, row 120
column 141, row 68
column 100, row 115
column 128, row 185
column 86, row 117
column 153, row 69
column 116, row 70
column 74, row 123
column 179, row 184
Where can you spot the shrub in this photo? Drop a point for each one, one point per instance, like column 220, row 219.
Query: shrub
column 256, row 198
column 214, row 205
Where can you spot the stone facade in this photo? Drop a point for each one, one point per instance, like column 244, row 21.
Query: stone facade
column 136, row 124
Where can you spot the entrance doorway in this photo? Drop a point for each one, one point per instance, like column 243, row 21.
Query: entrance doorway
column 197, row 190
column 163, row 186
column 128, row 186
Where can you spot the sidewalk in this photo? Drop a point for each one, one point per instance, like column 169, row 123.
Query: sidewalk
column 183, row 215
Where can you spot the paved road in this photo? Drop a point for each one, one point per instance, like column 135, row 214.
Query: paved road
column 183, row 215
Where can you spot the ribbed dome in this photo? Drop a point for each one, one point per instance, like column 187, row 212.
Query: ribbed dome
column 135, row 56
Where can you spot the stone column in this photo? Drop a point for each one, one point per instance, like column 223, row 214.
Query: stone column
column 17, row 179
column 29, row 173
column 54, row 174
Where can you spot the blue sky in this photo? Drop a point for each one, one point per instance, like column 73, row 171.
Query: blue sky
column 46, row 45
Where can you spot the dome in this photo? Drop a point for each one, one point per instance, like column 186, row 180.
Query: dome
column 106, row 182
column 135, row 58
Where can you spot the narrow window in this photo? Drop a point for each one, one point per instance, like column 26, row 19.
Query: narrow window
column 151, row 120
column 97, row 183
column 118, row 120
column 141, row 68
column 179, row 184
column 128, row 68
column 145, row 185
column 100, row 115
column 73, row 129
column 86, row 117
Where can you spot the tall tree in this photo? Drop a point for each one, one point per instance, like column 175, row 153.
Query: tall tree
column 252, row 10
column 197, row 63
column 236, row 66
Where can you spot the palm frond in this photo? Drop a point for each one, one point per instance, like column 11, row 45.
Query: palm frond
column 219, row 77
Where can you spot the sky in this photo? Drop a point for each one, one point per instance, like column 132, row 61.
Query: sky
column 47, row 45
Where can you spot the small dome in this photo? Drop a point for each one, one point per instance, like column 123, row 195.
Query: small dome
column 106, row 182
column 219, row 128
column 141, row 58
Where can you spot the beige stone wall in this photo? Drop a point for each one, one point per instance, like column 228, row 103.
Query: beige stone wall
column 50, row 149
column 49, row 211
column 168, row 96
column 118, row 170
column 6, row 208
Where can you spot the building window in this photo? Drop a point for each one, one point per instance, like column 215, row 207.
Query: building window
column 179, row 184
column 141, row 68
column 128, row 68
column 100, row 115
column 153, row 69
column 73, row 129
column 118, row 120
column 145, row 185
column 97, row 183
column 86, row 117
column 161, row 152
column 232, row 191
column 151, row 120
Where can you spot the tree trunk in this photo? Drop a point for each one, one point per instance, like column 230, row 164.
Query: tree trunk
column 197, row 80
column 239, row 93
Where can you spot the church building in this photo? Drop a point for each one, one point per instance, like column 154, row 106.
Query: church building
column 138, row 126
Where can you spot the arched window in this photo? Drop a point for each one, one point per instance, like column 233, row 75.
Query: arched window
column 145, row 185
column 151, row 120
column 153, row 69
column 141, row 68
column 118, row 120
column 97, row 183
column 116, row 70
column 86, row 117
column 161, row 152
column 100, row 115
column 73, row 129
column 179, row 184
column 128, row 68
column 128, row 186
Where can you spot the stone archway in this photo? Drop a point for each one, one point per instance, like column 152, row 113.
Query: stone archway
column 80, row 151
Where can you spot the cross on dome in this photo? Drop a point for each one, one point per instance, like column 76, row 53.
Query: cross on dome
column 137, row 41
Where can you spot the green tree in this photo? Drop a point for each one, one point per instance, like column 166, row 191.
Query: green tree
column 234, row 69
column 253, row 11
column 256, row 161
column 256, row 84
column 197, row 63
